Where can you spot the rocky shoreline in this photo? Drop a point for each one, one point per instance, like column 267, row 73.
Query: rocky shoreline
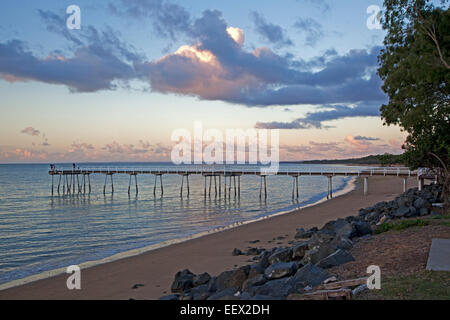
column 280, row 272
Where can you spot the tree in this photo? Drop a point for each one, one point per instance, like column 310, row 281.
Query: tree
column 414, row 66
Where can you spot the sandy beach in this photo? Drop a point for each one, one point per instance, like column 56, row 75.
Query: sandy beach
column 211, row 253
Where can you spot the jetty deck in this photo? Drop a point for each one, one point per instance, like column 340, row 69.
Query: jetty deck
column 69, row 178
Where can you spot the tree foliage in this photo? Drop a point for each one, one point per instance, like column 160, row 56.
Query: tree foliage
column 415, row 71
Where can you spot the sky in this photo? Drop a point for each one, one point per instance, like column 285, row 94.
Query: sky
column 137, row 70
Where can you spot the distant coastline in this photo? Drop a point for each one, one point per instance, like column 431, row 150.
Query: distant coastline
column 372, row 160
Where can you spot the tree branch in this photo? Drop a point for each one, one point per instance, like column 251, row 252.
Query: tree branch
column 431, row 32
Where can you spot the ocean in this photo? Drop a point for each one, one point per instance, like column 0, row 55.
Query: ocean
column 40, row 232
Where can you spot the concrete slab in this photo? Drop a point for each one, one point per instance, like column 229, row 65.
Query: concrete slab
column 439, row 256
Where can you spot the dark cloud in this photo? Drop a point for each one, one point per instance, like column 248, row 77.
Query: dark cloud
column 99, row 59
column 312, row 30
column 296, row 124
column 90, row 69
column 262, row 77
column 216, row 66
column 269, row 31
column 319, row 4
column 366, row 138
column 55, row 23
column 331, row 112
column 168, row 18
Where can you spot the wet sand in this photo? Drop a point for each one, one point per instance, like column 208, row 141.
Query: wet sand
column 211, row 253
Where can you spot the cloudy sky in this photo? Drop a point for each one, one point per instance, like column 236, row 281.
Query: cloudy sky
column 137, row 70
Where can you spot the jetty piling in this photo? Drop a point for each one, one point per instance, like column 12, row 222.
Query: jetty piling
column 330, row 187
column 112, row 182
column 78, row 184
column 59, row 182
column 263, row 180
column 215, row 186
column 366, row 185
column 182, row 184
column 135, row 181
column 156, row 182
column 295, row 192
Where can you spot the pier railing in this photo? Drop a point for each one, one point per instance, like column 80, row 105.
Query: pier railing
column 236, row 169
column 70, row 176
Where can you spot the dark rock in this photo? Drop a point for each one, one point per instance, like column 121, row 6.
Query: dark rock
column 226, row 294
column 221, row 282
column 401, row 202
column 343, row 228
column 374, row 215
column 137, row 285
column 342, row 243
column 423, row 212
column 421, row 203
column 298, row 251
column 361, row 228
column 170, row 297
column 280, row 270
column 264, row 259
column 255, row 281
column 413, row 212
column 260, row 297
column 212, row 284
column 401, row 212
column 362, row 212
column 201, row 279
column 311, row 275
column 200, row 293
column 236, row 252
column 279, row 288
column 321, row 237
column 237, row 278
column 329, row 226
column 302, row 234
column 281, row 255
column 245, row 296
column 318, row 253
column 337, row 258
column 255, row 270
column 184, row 280
column 254, row 251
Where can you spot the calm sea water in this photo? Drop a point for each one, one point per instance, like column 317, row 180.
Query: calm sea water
column 40, row 232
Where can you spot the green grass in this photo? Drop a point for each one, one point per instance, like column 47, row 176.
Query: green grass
column 441, row 217
column 425, row 285
column 403, row 224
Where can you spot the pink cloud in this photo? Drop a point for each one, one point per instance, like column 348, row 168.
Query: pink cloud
column 359, row 144
column 30, row 131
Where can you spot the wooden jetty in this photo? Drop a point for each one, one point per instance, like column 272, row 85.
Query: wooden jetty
column 77, row 180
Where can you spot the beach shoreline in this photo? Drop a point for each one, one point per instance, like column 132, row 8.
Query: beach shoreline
column 209, row 252
column 349, row 186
